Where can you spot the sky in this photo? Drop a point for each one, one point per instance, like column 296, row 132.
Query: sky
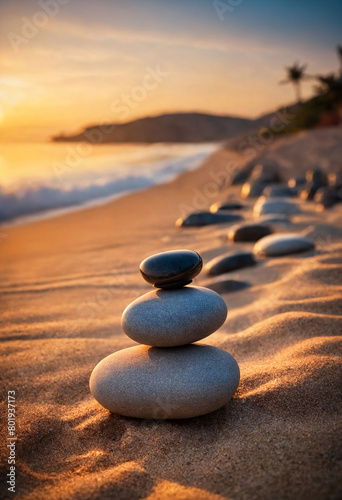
column 66, row 64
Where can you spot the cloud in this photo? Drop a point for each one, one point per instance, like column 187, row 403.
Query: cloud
column 226, row 42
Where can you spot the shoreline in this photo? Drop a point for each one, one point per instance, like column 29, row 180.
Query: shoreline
column 165, row 174
column 57, row 212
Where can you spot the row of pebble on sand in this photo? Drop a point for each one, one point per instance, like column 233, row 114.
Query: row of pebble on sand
column 169, row 376
column 275, row 204
column 265, row 182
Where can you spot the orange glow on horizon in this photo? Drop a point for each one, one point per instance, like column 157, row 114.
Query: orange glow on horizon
column 70, row 74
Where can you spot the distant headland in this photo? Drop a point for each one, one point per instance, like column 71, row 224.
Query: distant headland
column 174, row 127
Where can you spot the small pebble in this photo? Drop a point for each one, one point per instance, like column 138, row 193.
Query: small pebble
column 198, row 219
column 229, row 262
column 248, row 232
column 282, row 244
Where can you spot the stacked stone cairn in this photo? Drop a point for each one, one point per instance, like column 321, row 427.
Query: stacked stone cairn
column 169, row 376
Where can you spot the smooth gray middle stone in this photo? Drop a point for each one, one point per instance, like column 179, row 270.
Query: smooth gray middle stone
column 165, row 383
column 167, row 318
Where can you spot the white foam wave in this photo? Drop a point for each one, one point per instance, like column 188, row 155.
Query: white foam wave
column 45, row 198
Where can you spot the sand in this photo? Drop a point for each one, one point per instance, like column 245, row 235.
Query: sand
column 65, row 283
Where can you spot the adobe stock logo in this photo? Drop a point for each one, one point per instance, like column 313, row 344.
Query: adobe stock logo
column 31, row 26
column 223, row 6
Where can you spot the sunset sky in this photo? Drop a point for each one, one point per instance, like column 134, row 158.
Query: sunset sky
column 78, row 64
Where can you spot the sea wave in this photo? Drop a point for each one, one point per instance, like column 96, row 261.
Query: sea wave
column 45, row 198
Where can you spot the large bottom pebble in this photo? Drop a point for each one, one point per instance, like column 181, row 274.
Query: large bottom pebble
column 165, row 383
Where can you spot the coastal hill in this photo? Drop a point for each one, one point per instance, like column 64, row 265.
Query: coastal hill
column 175, row 127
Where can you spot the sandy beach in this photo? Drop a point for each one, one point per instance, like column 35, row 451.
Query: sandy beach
column 65, row 283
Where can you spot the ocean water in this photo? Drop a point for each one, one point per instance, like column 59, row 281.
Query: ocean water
column 44, row 179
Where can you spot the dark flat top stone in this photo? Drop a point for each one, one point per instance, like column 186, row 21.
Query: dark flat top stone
column 240, row 177
column 309, row 190
column 335, row 179
column 265, row 173
column 282, row 244
column 275, row 206
column 327, row 197
column 317, row 176
column 252, row 189
column 273, row 218
column 296, row 181
column 172, row 269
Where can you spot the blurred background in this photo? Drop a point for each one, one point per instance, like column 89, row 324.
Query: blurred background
column 183, row 76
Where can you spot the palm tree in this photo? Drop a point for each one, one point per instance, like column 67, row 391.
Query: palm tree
column 295, row 74
column 330, row 84
column 339, row 53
